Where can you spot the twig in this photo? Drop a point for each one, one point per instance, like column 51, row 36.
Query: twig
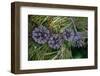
column 50, row 53
column 73, row 24
column 68, row 25
column 56, row 55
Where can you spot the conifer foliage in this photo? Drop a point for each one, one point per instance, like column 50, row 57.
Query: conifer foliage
column 57, row 37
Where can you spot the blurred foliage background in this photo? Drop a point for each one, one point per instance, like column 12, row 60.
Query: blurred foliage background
column 56, row 24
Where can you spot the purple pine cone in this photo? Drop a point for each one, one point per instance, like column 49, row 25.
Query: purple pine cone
column 55, row 41
column 68, row 34
column 40, row 34
column 77, row 40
